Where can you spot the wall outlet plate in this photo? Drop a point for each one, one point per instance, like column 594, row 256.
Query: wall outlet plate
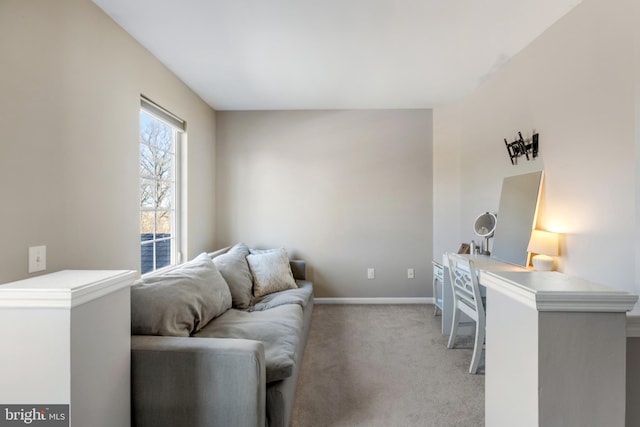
column 37, row 258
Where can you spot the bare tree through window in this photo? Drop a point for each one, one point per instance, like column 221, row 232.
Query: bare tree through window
column 157, row 188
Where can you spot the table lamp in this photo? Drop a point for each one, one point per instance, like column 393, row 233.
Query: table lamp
column 545, row 245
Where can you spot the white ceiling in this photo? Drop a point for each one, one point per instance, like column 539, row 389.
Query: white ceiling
column 334, row 54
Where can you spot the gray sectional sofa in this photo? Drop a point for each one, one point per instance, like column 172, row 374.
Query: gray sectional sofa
column 218, row 341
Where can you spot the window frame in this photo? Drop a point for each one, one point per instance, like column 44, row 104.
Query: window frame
column 178, row 129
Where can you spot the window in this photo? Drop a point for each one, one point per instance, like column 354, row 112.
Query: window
column 160, row 135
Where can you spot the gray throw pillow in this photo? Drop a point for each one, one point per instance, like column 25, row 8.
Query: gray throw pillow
column 271, row 272
column 179, row 302
column 235, row 270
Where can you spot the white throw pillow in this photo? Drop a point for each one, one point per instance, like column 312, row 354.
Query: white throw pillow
column 271, row 272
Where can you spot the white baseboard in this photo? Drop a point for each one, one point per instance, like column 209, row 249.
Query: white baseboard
column 417, row 300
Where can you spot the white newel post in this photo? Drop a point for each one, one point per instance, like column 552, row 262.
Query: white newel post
column 66, row 341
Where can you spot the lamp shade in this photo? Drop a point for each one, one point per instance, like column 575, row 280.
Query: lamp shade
column 543, row 243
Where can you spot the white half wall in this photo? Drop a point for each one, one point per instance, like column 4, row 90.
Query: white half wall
column 344, row 190
column 576, row 86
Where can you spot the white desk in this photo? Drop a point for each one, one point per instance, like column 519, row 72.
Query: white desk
column 482, row 263
column 555, row 350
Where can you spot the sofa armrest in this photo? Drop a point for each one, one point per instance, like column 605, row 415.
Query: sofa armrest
column 299, row 269
column 187, row 381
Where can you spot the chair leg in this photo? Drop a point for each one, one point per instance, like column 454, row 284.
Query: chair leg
column 454, row 326
column 435, row 297
column 477, row 348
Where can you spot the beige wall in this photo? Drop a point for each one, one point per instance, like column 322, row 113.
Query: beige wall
column 344, row 190
column 578, row 85
column 575, row 85
column 70, row 85
column 636, row 14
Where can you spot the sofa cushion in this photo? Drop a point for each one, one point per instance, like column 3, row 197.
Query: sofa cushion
column 179, row 302
column 271, row 272
column 235, row 270
column 279, row 329
column 300, row 296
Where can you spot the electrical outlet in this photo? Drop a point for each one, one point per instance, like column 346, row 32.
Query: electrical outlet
column 371, row 273
column 410, row 273
column 37, row 258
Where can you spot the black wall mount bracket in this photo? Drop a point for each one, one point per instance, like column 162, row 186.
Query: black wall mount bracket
column 519, row 147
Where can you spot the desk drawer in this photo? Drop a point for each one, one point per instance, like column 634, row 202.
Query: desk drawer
column 438, row 271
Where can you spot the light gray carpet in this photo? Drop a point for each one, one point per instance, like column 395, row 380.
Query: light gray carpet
column 387, row 366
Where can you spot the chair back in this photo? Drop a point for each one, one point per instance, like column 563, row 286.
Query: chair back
column 464, row 283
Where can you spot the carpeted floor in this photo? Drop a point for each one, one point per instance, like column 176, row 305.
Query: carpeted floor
column 386, row 366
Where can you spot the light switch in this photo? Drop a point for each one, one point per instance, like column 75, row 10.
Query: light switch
column 371, row 273
column 37, row 258
column 410, row 273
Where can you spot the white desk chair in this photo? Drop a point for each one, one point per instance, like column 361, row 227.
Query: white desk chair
column 466, row 299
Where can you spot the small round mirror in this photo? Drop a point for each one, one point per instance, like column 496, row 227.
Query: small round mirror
column 485, row 224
